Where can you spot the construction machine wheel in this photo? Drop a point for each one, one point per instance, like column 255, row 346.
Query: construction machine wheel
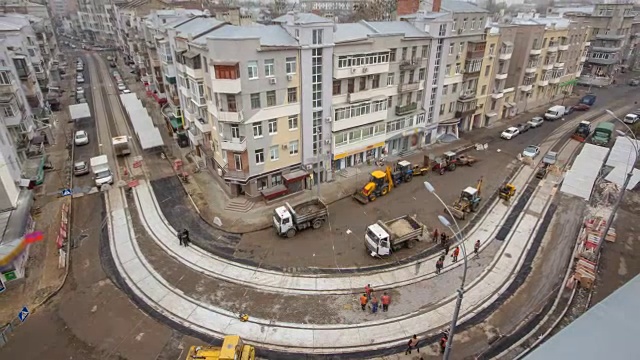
column 411, row 243
column 384, row 191
column 408, row 178
column 451, row 167
column 291, row 233
column 317, row 223
column 475, row 206
column 442, row 171
column 372, row 197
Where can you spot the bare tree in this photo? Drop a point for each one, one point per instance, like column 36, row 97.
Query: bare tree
column 373, row 10
column 279, row 8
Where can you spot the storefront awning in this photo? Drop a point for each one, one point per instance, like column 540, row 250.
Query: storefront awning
column 449, row 122
column 345, row 154
column 400, row 135
column 295, row 176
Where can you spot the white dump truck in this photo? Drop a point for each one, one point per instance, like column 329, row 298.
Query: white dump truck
column 385, row 237
column 121, row 145
column 100, row 169
column 288, row 220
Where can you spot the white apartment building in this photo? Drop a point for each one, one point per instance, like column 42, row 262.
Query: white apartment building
column 98, row 21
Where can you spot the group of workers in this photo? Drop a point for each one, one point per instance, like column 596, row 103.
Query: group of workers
column 369, row 298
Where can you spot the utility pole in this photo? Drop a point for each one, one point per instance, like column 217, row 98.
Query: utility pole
column 318, row 167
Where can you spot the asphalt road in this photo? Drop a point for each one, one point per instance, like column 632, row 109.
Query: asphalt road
column 341, row 244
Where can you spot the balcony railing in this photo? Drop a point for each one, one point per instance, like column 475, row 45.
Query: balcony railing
column 406, row 109
column 409, row 86
column 235, row 174
column 234, row 144
column 465, row 109
column 410, row 64
column 475, row 54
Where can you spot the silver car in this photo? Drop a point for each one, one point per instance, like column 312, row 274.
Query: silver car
column 80, row 168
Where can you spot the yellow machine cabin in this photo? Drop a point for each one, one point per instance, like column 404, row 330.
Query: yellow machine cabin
column 232, row 349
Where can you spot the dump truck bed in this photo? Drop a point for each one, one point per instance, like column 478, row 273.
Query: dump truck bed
column 402, row 228
column 308, row 210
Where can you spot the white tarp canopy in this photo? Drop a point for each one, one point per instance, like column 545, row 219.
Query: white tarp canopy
column 151, row 139
column 623, row 153
column 619, row 174
column 585, row 169
column 147, row 133
column 79, row 111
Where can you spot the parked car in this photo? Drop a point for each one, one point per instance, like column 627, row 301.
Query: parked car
column 80, row 91
column 551, row 158
column 122, row 87
column 523, row 128
column 588, row 99
column 531, row 151
column 634, row 82
column 126, row 91
column 80, row 79
column 510, row 133
column 581, row 107
column 535, row 122
column 81, row 138
column 80, row 168
column 569, row 110
column 81, row 100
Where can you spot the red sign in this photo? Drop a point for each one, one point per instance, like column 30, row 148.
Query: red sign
column 59, row 241
column 34, row 237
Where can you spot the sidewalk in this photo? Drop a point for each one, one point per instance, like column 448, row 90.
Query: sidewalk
column 45, row 271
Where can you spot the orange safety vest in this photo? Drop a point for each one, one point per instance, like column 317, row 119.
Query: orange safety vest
column 363, row 300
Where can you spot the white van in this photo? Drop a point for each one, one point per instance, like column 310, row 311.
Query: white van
column 555, row 112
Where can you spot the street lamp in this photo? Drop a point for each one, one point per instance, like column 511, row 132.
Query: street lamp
column 460, row 292
column 626, row 180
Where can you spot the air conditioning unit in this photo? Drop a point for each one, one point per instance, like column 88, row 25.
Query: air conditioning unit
column 289, row 77
column 327, row 119
column 460, row 31
column 353, row 70
column 364, row 69
column 327, row 142
column 309, row 166
column 272, row 81
column 284, row 146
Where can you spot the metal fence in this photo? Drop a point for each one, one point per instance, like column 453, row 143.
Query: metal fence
column 5, row 330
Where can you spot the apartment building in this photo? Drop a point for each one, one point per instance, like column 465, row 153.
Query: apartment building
column 97, row 21
column 463, row 65
column 501, row 40
column 379, row 74
column 255, row 105
column 609, row 40
column 549, row 50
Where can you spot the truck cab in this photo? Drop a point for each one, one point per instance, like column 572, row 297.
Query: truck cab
column 282, row 220
column 101, row 172
column 377, row 241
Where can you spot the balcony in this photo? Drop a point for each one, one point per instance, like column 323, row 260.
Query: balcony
column 583, row 59
column 196, row 74
column 609, row 37
column 409, row 86
column 497, row 94
column 552, row 48
column 351, row 71
column 467, row 96
column 559, row 64
column 203, row 125
column 555, row 80
column 610, row 60
column 587, row 43
column 547, row 66
column 234, row 144
column 535, row 51
column 195, row 136
column 232, row 174
column 471, row 72
column 406, row 109
column 502, row 76
column 526, row 88
column 564, row 47
column 227, row 116
column 531, row 67
column 465, row 109
column 410, row 64
column 543, row 82
column 505, row 55
column 608, row 49
column 475, row 54
column 363, row 95
column 226, row 86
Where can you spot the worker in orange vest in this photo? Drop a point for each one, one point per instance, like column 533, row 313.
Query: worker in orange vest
column 368, row 290
column 386, row 300
column 455, row 253
column 363, row 301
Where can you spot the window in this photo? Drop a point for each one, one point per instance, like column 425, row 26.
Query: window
column 268, row 68
column 363, row 83
column 451, row 47
column 262, row 182
column 421, row 74
column 464, row 24
column 375, row 82
column 276, row 180
column 5, row 77
column 259, row 154
column 461, row 47
column 273, row 153
column 473, row 23
column 360, row 109
column 252, row 70
column 390, row 79
column 492, row 49
column 271, row 98
column 235, row 131
column 273, row 126
column 425, row 51
column 487, row 69
column 7, row 111
column 392, row 55
column 290, row 65
column 257, row 130
column 484, row 90
column 404, row 53
column 451, row 104
column 292, row 95
column 454, row 88
column 458, row 68
column 317, row 36
column 31, row 52
column 453, row 27
column 447, row 70
column 336, row 87
column 442, row 108
column 293, row 122
column 444, row 89
column 255, row 101
column 351, row 86
column 293, row 147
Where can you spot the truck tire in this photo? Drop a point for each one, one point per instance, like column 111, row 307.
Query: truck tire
column 411, row 243
column 442, row 170
column 475, row 206
column 408, row 178
column 452, row 167
column 317, row 223
column 291, row 233
column 372, row 197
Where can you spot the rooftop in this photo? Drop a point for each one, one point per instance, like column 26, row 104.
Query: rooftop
column 456, row 6
column 548, row 22
column 302, row 19
column 361, row 30
column 269, row 35
column 197, row 26
column 13, row 22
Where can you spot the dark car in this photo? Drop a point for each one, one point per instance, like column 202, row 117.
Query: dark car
column 634, row 82
column 588, row 99
column 581, row 107
column 523, row 127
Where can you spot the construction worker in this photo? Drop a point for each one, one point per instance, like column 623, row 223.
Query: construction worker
column 443, row 239
column 180, row 237
column 447, row 245
column 435, row 235
column 187, row 239
column 374, row 304
column 443, row 343
column 363, row 301
column 455, row 253
column 439, row 265
column 412, row 344
column 386, row 300
column 368, row 290
column 476, row 248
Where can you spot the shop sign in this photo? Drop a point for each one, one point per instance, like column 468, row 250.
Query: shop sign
column 10, row 275
column 345, row 154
